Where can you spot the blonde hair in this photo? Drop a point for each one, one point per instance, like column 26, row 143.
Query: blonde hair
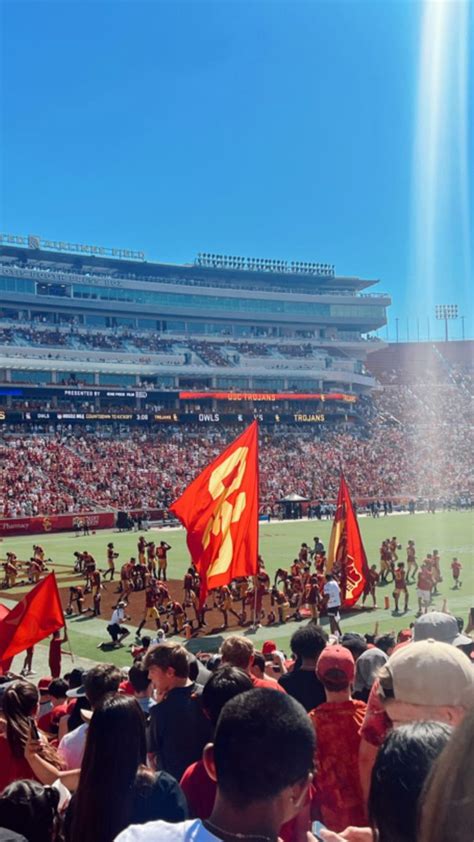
column 447, row 810
column 238, row 651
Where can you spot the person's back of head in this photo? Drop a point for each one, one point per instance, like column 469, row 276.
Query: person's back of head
column 101, row 680
column 58, row 688
column 447, row 803
column 308, row 642
column 385, row 642
column 30, row 809
column 19, row 703
column 355, row 643
column 401, row 768
column 427, row 680
column 264, row 743
column 115, row 749
column 223, row 685
column 237, row 651
column 336, row 669
column 138, row 678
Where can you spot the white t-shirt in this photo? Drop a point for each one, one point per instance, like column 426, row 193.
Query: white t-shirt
column 190, row 831
column 71, row 748
column 331, row 589
column 117, row 617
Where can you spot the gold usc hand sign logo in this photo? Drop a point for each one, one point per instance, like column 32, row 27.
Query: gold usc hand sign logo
column 223, row 482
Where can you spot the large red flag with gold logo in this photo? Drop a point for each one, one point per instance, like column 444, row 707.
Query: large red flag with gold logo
column 32, row 619
column 346, row 554
column 220, row 513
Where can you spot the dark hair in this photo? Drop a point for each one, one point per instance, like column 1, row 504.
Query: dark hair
column 115, row 749
column 58, row 688
column 138, row 677
column 355, row 643
column 385, row 642
column 29, row 808
column 264, row 742
column 100, row 680
column 224, row 684
column 166, row 655
column 309, row 641
column 259, row 661
column 398, row 776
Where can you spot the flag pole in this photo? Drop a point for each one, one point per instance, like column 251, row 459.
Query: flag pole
column 71, row 653
column 255, row 584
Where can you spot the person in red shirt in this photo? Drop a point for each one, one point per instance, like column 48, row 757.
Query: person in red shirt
column 49, row 722
column 198, row 787
column 423, row 588
column 339, row 800
column 400, row 586
column 161, row 554
column 456, row 568
column 239, row 652
column 55, row 653
column 151, row 558
column 373, row 579
column 312, row 597
column 19, row 706
column 188, row 583
column 151, row 612
column 111, row 556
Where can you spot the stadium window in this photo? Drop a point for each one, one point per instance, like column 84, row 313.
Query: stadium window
column 28, row 376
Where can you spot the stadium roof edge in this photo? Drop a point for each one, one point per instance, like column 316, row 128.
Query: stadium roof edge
column 139, row 267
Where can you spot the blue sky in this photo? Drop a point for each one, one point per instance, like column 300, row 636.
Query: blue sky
column 270, row 129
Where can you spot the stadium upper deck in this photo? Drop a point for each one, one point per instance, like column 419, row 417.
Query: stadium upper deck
column 72, row 313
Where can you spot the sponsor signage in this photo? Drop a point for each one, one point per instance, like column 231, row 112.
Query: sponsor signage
column 39, row 243
column 268, row 396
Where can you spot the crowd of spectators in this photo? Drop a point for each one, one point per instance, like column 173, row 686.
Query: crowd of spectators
column 214, row 352
column 247, row 744
column 409, row 442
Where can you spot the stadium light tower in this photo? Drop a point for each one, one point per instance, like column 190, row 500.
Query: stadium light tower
column 446, row 312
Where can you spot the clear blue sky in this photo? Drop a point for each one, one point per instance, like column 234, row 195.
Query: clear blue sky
column 270, row 129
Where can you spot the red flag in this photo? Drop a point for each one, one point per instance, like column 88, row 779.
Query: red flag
column 220, row 513
column 4, row 665
column 32, row 619
column 346, row 551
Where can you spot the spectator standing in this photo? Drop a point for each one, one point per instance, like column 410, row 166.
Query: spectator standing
column 20, row 706
column 239, row 652
column 30, row 809
column 55, row 653
column 301, row 682
column 115, row 787
column 337, row 723
column 179, row 730
column 256, row 791
column 142, row 687
column 332, row 592
column 100, row 680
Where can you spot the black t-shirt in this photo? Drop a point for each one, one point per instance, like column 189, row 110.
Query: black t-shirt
column 179, row 730
column 305, row 687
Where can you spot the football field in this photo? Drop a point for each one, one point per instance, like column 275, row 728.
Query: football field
column 451, row 533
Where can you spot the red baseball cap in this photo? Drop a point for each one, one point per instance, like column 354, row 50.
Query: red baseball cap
column 268, row 647
column 336, row 657
column 43, row 684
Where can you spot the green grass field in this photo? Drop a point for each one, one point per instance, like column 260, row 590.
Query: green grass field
column 452, row 533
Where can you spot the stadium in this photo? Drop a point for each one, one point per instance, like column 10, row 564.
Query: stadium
column 123, row 378
column 236, row 440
